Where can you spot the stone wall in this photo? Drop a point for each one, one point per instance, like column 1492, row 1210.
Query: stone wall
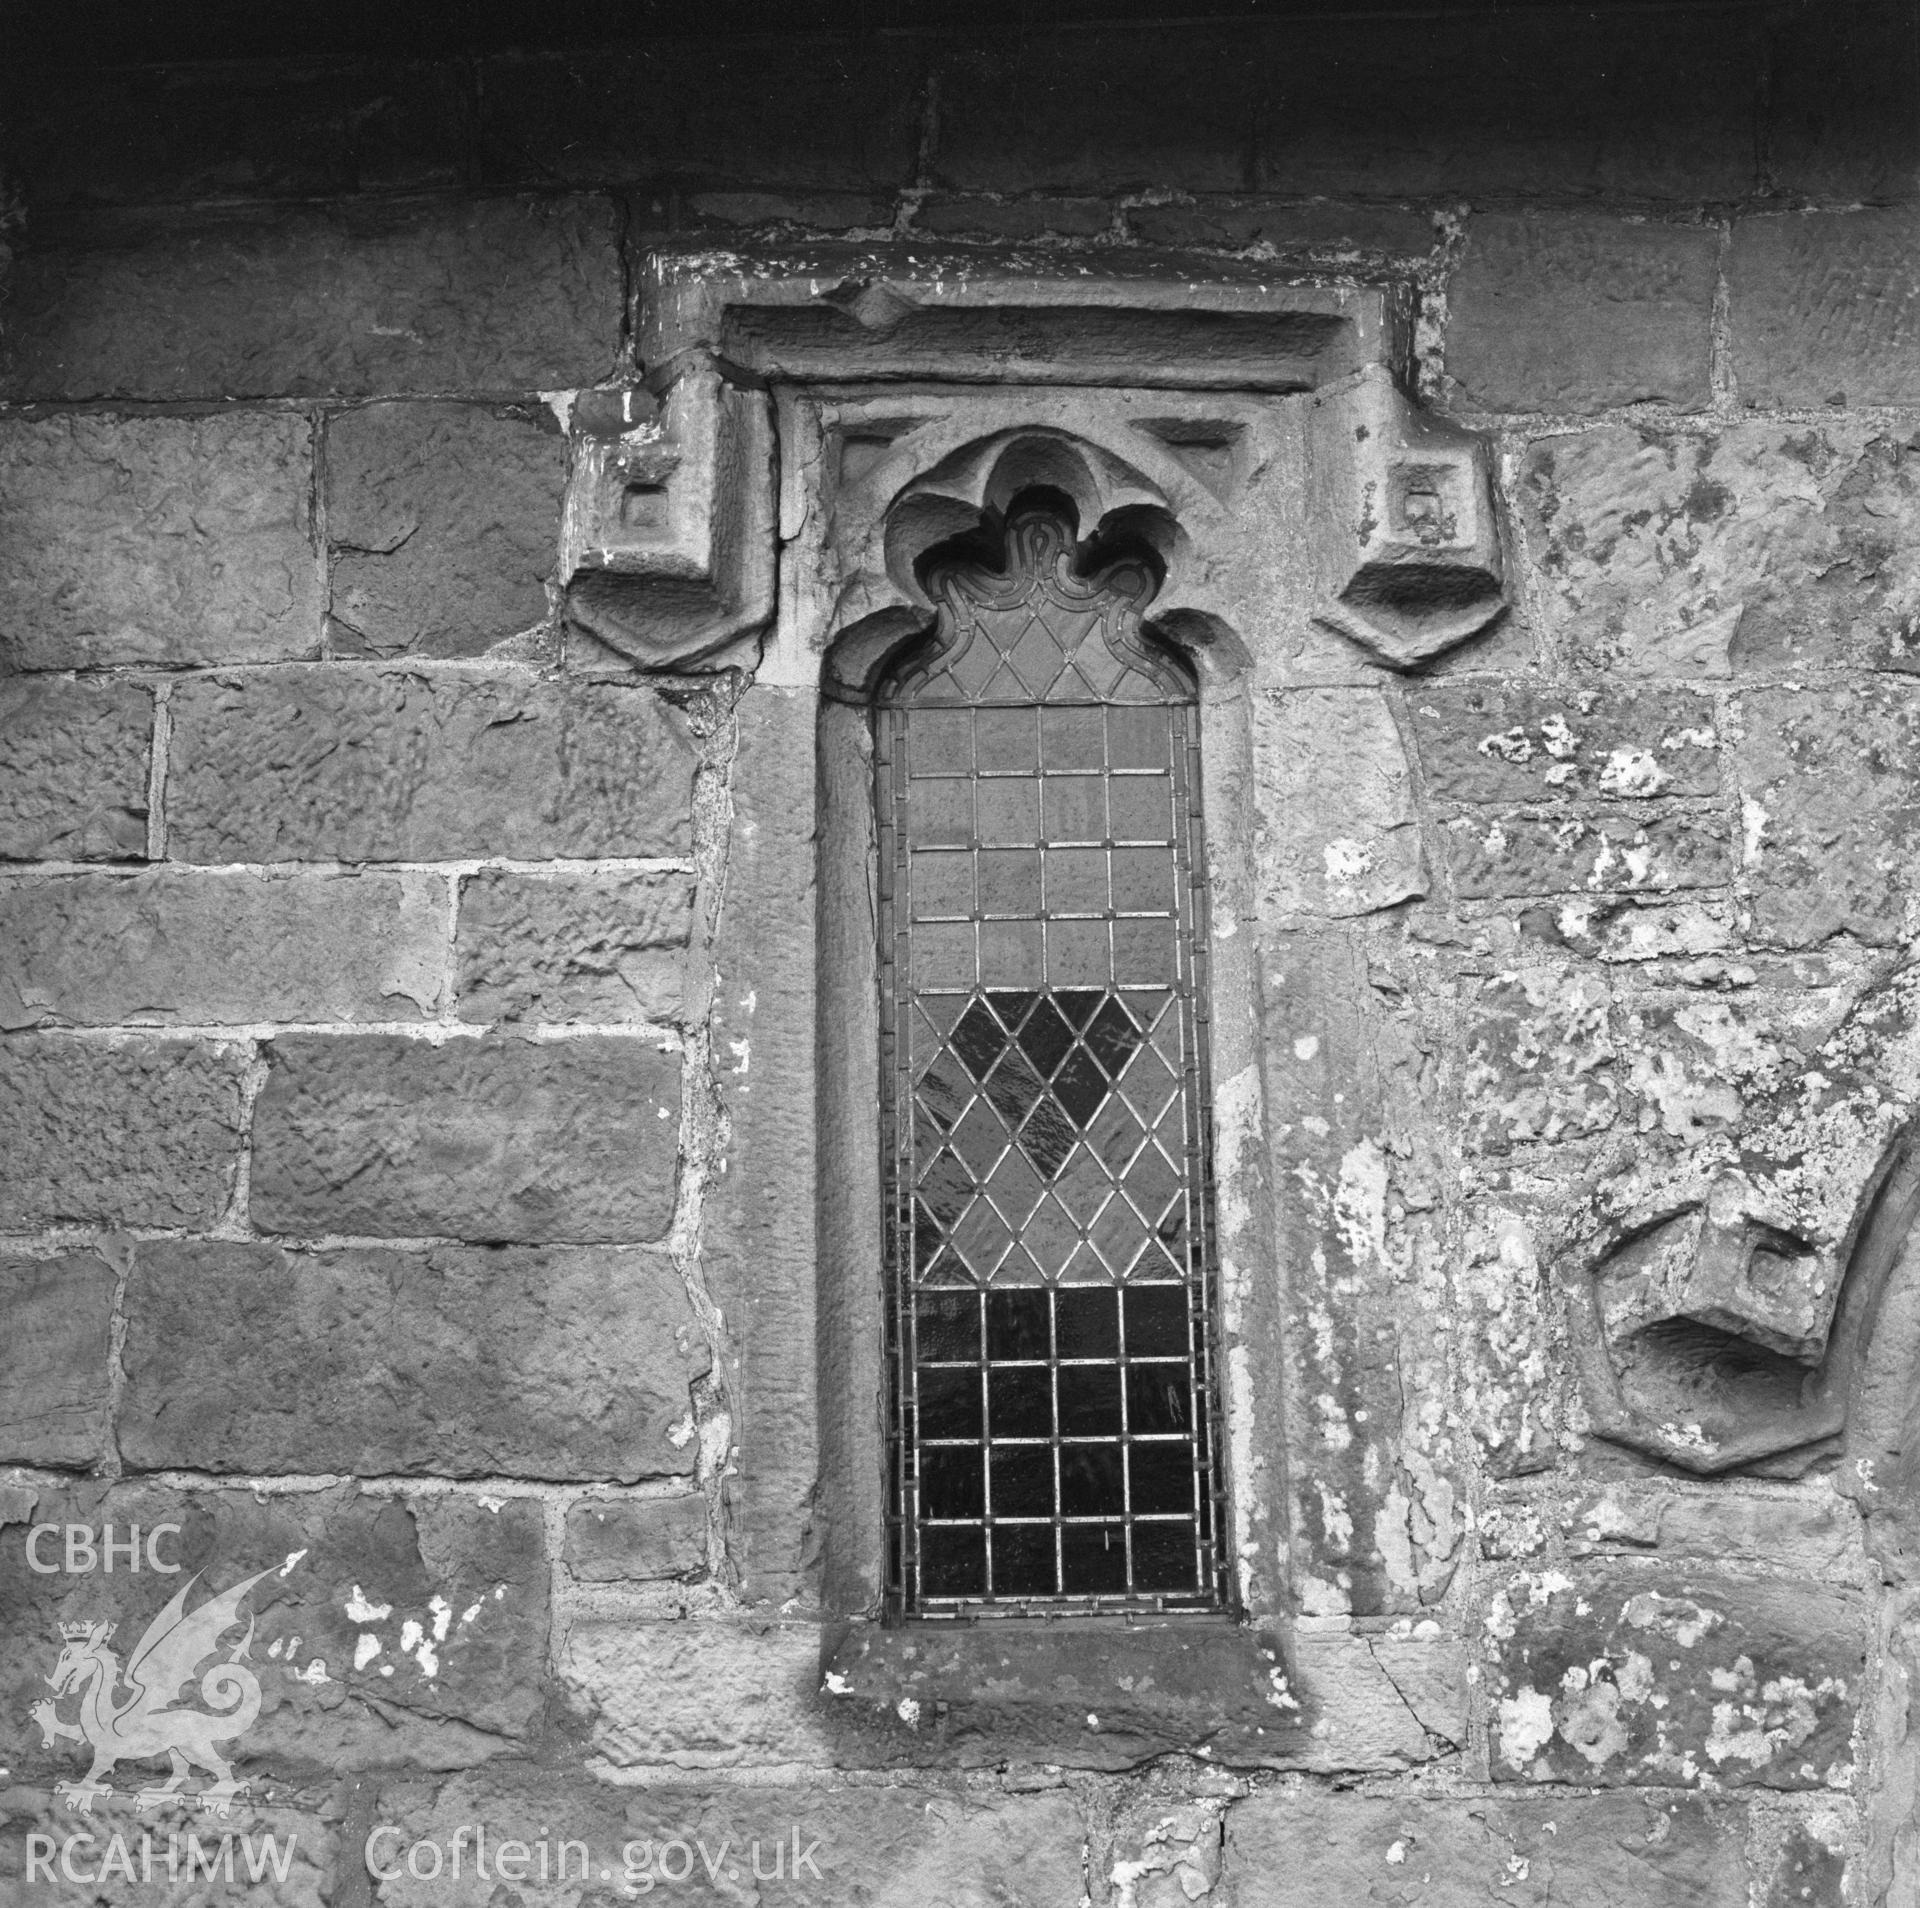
column 391, row 1197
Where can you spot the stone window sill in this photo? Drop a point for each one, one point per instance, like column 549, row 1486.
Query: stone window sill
column 1091, row 1692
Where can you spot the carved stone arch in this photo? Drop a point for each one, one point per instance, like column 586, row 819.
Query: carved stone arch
column 940, row 476
column 886, row 543
column 1882, row 1435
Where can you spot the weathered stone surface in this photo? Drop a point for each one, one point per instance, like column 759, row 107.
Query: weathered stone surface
column 1085, row 1693
column 1375, row 1518
column 1336, row 833
column 141, row 1132
column 155, row 539
column 1575, row 313
column 1819, row 1537
column 1828, row 810
column 479, row 295
column 632, row 1539
column 1623, row 1675
column 196, row 949
column 1539, row 1059
column 705, row 1695
column 761, row 1268
column 1615, row 930
column 1476, row 106
column 1317, row 229
column 387, row 1627
column 1810, row 1867
column 791, row 112
column 893, row 1846
column 124, row 134
column 1488, row 742
column 1766, row 546
column 73, row 775
column 1603, row 851
column 1158, row 1843
column 1311, row 1848
column 602, row 947
column 1694, row 1065
column 1822, row 308
column 1507, row 1369
column 325, row 764
column 294, row 1851
column 1380, row 1700
column 1094, row 113
column 443, row 521
column 54, row 1359
column 488, row 1139
column 514, row 1363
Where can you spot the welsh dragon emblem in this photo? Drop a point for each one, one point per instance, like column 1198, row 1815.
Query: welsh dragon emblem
column 144, row 1723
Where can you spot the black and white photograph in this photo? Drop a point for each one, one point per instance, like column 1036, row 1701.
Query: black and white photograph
column 960, row 954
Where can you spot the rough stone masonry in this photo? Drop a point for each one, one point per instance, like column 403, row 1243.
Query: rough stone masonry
column 396, row 1133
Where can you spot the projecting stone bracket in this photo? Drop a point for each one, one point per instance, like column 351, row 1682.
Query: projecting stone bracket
column 1725, row 1315
column 668, row 541
column 1410, row 544
column 1704, row 1336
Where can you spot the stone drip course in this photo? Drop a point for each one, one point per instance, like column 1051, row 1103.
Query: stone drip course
column 428, row 1192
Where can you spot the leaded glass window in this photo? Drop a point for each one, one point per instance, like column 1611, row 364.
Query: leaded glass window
column 1046, row 1151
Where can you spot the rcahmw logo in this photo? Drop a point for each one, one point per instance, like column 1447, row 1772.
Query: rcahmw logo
column 146, row 1860
column 132, row 1712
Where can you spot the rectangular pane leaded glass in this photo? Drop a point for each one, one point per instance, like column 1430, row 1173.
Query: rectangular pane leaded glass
column 1047, row 1152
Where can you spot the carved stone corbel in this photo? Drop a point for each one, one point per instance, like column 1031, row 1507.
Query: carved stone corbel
column 1719, row 1312
column 668, row 540
column 1411, row 546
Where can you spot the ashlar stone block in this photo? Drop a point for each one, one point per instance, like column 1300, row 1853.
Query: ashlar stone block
column 514, row 1362
column 1337, row 835
column 1759, row 548
column 203, row 948
column 564, row 947
column 132, row 1132
column 54, row 1359
column 1312, row 1848
column 1577, row 313
column 1500, row 742
column 73, row 774
column 812, row 1842
column 1827, row 807
column 1822, row 307
column 156, row 540
column 386, row 1627
column 489, row 1139
column 443, row 522
column 688, row 1696
column 325, row 764
column 1616, row 1676
column 502, row 296
column 1596, row 851
column 625, row 1540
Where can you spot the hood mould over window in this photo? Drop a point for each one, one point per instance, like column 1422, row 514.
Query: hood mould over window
column 670, row 546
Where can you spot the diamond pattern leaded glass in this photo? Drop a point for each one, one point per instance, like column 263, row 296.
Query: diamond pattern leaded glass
column 1044, row 1021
